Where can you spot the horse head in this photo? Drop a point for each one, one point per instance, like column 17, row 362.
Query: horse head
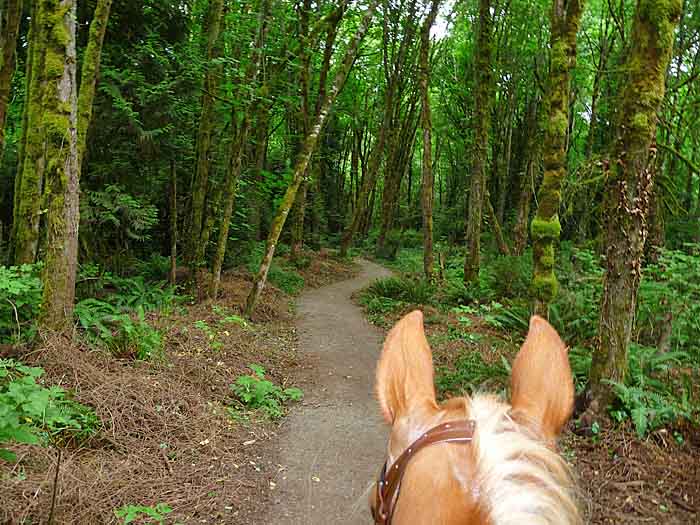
column 474, row 460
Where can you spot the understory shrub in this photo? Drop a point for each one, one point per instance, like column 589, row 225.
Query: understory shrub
column 658, row 390
column 471, row 373
column 133, row 513
column 20, row 299
column 117, row 321
column 256, row 392
column 34, row 414
column 405, row 289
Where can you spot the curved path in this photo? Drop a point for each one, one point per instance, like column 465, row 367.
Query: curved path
column 331, row 447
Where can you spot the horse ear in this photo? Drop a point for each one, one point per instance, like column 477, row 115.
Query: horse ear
column 405, row 370
column 542, row 387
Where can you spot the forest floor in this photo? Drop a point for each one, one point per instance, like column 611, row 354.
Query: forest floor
column 173, row 432
column 624, row 480
column 169, row 435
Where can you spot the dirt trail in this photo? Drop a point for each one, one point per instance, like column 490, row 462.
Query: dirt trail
column 331, row 446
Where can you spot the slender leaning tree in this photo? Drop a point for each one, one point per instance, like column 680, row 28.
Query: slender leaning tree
column 304, row 157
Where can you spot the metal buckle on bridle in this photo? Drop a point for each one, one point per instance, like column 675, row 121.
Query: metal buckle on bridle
column 389, row 482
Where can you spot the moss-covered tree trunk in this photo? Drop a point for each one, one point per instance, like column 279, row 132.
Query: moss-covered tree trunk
column 304, row 157
column 195, row 248
column 630, row 181
column 427, row 179
column 29, row 183
column 299, row 209
column 10, row 16
column 545, row 227
column 238, row 143
column 527, row 181
column 60, row 117
column 482, row 123
column 90, row 68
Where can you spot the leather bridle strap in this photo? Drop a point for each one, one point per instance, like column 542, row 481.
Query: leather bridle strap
column 390, row 479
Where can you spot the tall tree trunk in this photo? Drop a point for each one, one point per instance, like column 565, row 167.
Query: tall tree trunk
column 607, row 41
column 30, row 178
column 505, row 171
column 303, row 159
column 235, row 160
column 369, row 181
column 527, row 181
column 200, row 185
column 261, row 131
column 317, row 169
column 482, row 123
column 62, row 169
column 391, row 99
column 90, row 70
column 299, row 209
column 427, row 180
column 497, row 230
column 10, row 17
column 545, row 227
column 173, row 222
column 396, row 165
column 629, row 187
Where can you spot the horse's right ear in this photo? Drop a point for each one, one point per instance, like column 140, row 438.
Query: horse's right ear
column 542, row 386
column 405, row 370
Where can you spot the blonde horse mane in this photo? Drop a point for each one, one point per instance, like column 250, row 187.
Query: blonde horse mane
column 519, row 479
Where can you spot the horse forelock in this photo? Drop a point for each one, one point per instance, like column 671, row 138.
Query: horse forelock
column 519, row 479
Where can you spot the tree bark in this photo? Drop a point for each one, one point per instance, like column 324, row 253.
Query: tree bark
column 369, row 180
column 427, row 180
column 30, row 179
column 497, row 230
column 303, row 160
column 527, row 181
column 235, row 160
column 482, row 123
column 395, row 167
column 62, row 169
column 629, row 186
column 212, row 78
column 545, row 228
column 173, row 222
column 90, row 70
column 10, row 17
column 299, row 209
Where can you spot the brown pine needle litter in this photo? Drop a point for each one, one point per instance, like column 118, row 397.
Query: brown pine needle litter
column 167, row 435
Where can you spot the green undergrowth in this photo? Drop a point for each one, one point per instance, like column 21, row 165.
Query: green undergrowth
column 256, row 392
column 283, row 274
column 157, row 513
column 20, row 298
column 660, row 389
column 114, row 313
column 35, row 414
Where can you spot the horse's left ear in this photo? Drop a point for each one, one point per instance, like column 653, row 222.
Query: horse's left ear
column 405, row 370
column 542, row 386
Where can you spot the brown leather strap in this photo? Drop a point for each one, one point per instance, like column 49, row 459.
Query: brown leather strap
column 390, row 479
